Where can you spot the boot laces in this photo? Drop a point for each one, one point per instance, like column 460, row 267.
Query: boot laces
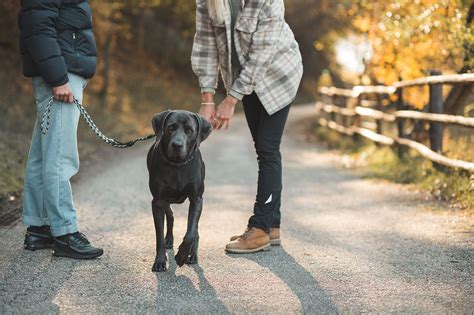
column 247, row 233
column 81, row 238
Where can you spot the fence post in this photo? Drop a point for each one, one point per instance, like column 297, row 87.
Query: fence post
column 401, row 150
column 436, row 106
column 379, row 122
column 345, row 119
column 356, row 121
column 332, row 115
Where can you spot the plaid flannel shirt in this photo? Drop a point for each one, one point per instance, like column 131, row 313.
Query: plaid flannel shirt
column 268, row 53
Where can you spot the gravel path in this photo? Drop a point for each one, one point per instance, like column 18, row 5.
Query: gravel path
column 349, row 244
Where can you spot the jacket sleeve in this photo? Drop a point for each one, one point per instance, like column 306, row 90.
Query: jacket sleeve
column 40, row 39
column 205, row 56
column 262, row 50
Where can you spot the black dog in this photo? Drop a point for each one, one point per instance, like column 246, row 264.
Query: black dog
column 177, row 173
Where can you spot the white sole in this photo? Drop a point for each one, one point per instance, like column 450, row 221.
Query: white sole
column 249, row 251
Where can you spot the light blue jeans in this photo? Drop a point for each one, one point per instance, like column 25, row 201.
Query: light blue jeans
column 52, row 161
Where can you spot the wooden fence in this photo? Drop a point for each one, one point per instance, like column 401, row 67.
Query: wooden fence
column 336, row 112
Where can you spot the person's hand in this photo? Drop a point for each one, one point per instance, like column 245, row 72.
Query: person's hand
column 224, row 112
column 63, row 93
column 207, row 111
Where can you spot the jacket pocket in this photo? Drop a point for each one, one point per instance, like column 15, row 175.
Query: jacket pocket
column 245, row 27
column 246, row 24
column 84, row 43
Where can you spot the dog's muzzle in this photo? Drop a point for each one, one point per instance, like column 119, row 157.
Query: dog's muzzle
column 177, row 150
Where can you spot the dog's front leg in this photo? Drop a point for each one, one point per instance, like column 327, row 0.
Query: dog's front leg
column 193, row 257
column 190, row 242
column 159, row 219
column 169, row 227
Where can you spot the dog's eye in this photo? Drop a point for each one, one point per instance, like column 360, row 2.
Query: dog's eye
column 172, row 128
column 189, row 130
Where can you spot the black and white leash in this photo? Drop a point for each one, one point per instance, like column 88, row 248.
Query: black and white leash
column 46, row 121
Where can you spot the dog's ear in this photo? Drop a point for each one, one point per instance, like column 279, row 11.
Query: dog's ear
column 204, row 128
column 158, row 123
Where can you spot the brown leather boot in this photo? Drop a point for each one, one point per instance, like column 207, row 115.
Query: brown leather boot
column 234, row 237
column 253, row 240
column 274, row 236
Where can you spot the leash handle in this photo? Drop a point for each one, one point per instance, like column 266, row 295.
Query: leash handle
column 46, row 121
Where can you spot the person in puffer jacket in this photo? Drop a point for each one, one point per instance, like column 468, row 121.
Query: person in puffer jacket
column 59, row 54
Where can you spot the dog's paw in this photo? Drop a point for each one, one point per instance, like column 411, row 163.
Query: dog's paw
column 192, row 259
column 180, row 259
column 183, row 254
column 160, row 265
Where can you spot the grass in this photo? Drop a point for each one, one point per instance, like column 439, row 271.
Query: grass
column 381, row 162
column 12, row 153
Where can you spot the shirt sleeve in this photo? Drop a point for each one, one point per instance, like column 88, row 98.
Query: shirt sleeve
column 205, row 56
column 208, row 90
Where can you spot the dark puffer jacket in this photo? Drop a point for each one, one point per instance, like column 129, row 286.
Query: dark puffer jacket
column 57, row 38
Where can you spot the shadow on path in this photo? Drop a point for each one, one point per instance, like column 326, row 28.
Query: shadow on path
column 311, row 295
column 178, row 294
column 33, row 280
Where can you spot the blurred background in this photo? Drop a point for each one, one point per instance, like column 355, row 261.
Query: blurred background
column 144, row 61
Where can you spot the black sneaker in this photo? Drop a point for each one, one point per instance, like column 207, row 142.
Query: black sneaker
column 75, row 245
column 38, row 237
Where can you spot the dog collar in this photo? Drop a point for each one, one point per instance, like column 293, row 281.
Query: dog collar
column 180, row 164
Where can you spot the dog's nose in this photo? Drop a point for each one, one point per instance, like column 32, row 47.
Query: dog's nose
column 177, row 144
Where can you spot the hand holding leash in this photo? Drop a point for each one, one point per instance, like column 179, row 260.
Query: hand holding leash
column 63, row 93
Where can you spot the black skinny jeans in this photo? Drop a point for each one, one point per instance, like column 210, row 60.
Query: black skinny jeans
column 266, row 132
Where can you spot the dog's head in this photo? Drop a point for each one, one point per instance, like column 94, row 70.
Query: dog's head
column 180, row 132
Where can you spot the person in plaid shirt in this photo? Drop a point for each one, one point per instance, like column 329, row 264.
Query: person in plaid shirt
column 255, row 51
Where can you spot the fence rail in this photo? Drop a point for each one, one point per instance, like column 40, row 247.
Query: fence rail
column 356, row 91
column 341, row 111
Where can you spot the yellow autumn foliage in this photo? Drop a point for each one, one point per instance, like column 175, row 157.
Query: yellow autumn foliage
column 409, row 38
